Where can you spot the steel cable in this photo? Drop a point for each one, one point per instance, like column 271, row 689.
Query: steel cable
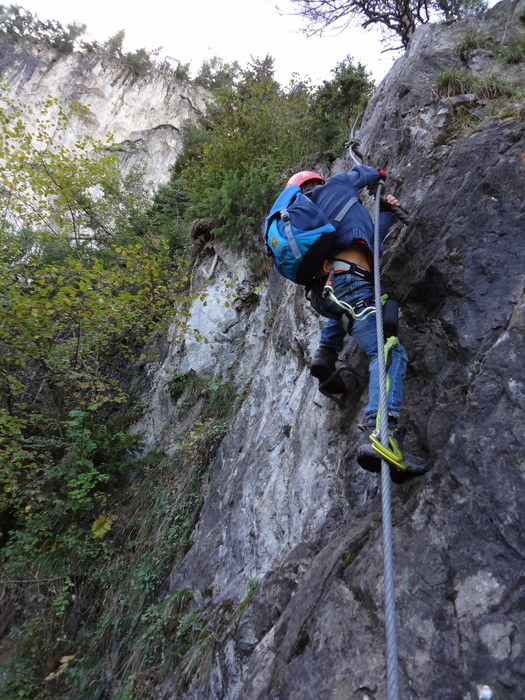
column 388, row 558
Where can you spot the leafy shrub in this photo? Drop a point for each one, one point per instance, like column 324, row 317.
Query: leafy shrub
column 139, row 61
column 216, row 73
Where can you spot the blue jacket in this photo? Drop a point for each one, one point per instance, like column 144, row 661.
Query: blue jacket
column 357, row 223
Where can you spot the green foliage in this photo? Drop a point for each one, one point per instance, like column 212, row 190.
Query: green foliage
column 251, row 586
column 497, row 98
column 258, row 134
column 255, row 135
column 166, row 216
column 182, row 72
column 349, row 558
column 178, row 384
column 115, row 614
column 216, row 73
column 194, row 138
column 450, row 83
column 78, row 299
column 516, row 108
column 261, row 70
column 239, row 201
column 113, row 45
column 250, row 127
column 140, row 61
column 150, row 533
column 339, row 102
column 18, row 23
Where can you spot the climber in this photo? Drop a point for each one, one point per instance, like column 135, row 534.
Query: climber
column 351, row 261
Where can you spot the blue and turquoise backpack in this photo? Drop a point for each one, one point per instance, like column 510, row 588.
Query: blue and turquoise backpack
column 299, row 236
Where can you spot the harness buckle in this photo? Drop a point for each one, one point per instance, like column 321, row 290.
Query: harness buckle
column 329, row 268
column 338, row 267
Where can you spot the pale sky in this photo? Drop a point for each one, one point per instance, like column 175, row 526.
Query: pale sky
column 196, row 30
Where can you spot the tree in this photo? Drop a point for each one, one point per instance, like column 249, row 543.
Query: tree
column 113, row 45
column 216, row 73
column 254, row 136
column 261, row 69
column 341, row 100
column 17, row 23
column 398, row 17
column 140, row 60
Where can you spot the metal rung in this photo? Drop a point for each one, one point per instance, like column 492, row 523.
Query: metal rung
column 337, row 373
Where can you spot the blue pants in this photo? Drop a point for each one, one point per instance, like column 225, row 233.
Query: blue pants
column 352, row 289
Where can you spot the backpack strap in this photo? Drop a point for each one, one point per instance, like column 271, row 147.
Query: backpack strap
column 285, row 216
column 344, row 211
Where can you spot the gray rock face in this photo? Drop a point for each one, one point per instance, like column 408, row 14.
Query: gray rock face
column 144, row 114
column 287, row 504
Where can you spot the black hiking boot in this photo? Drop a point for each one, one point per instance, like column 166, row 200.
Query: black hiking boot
column 370, row 460
column 323, row 367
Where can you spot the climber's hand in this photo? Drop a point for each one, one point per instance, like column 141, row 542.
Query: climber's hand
column 392, row 200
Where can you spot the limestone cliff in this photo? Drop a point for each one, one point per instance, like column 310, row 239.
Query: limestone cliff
column 286, row 504
column 144, row 114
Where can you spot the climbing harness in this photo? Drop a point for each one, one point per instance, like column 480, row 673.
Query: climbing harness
column 362, row 309
column 357, row 312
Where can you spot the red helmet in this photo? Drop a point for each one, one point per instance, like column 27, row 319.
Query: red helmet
column 304, row 176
